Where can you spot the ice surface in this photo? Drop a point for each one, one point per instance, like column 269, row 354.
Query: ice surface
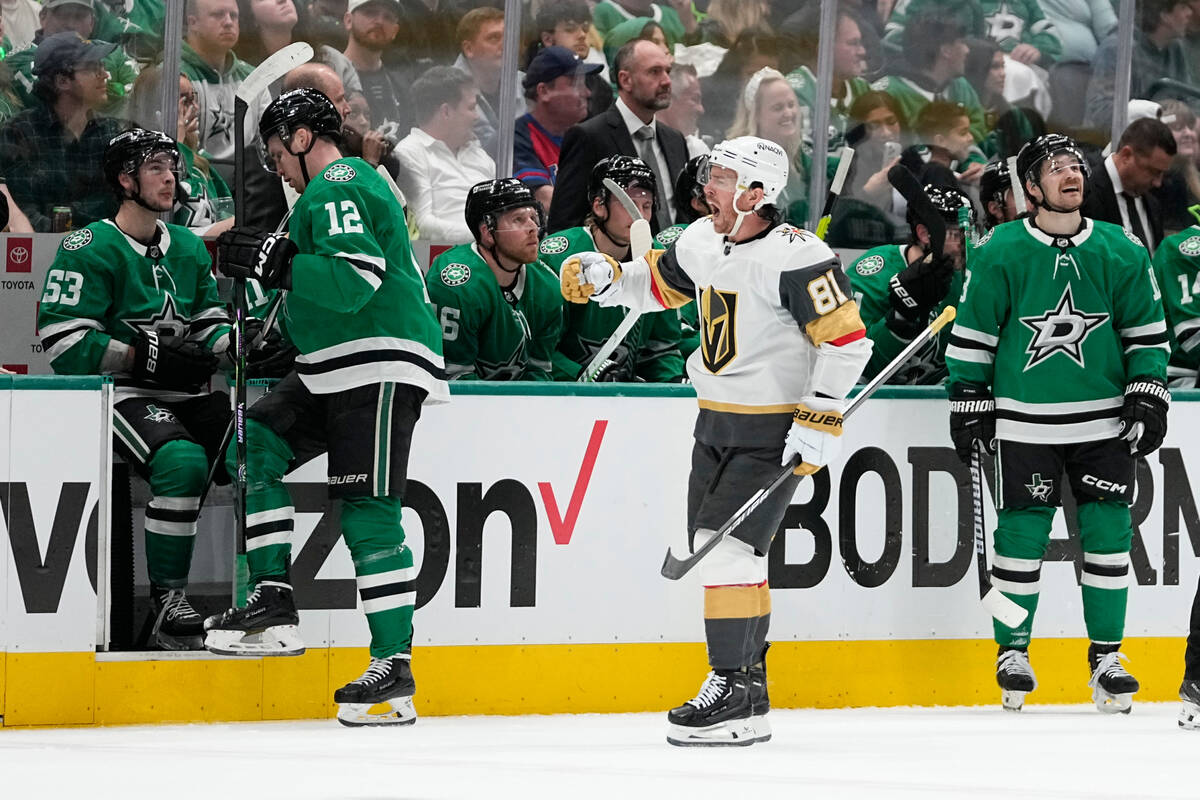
column 1043, row 752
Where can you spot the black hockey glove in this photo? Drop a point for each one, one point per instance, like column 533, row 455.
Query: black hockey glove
column 972, row 418
column 273, row 358
column 1144, row 415
column 246, row 252
column 172, row 362
column 915, row 291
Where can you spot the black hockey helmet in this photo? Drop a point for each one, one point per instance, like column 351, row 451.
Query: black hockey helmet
column 947, row 201
column 688, row 187
column 127, row 151
column 487, row 200
column 994, row 182
column 300, row 108
column 1043, row 148
column 624, row 171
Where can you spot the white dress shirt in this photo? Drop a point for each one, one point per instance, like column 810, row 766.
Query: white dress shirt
column 1123, row 204
column 633, row 124
column 436, row 182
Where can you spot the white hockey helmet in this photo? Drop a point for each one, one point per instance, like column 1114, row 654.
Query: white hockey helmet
column 754, row 160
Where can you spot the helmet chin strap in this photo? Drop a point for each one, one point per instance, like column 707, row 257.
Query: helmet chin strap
column 741, row 215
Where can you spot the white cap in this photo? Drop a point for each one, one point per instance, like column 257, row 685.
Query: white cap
column 354, row 5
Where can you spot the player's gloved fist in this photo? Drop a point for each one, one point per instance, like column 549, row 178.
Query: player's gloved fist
column 917, row 289
column 972, row 418
column 172, row 362
column 1144, row 415
column 814, row 438
column 273, row 358
column 588, row 275
column 245, row 252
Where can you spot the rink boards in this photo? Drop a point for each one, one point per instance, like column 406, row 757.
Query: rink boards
column 539, row 516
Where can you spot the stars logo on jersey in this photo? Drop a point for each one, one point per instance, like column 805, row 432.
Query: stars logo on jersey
column 1190, row 246
column 555, row 245
column 1132, row 238
column 1039, row 488
column 1062, row 329
column 456, row 274
column 985, row 238
column 77, row 240
column 159, row 414
column 869, row 265
column 166, row 320
column 670, row 234
column 339, row 173
column 718, row 328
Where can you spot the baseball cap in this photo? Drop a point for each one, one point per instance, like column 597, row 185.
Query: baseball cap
column 63, row 51
column 354, row 5
column 554, row 62
column 49, row 4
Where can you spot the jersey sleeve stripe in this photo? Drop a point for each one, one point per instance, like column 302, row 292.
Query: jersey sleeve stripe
column 1144, row 330
column 985, row 339
column 63, row 344
column 974, row 356
column 671, row 286
column 1187, row 325
column 838, row 324
column 358, row 359
column 1158, row 346
column 850, row 337
column 66, row 326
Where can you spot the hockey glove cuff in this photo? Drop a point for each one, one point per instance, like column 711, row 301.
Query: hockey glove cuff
column 814, row 437
column 246, row 252
column 172, row 362
column 972, row 418
column 588, row 275
column 917, row 289
column 1144, row 415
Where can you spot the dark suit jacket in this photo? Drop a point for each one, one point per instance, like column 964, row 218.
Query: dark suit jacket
column 592, row 140
column 1101, row 203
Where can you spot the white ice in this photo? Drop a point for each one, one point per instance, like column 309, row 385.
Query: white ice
column 1043, row 752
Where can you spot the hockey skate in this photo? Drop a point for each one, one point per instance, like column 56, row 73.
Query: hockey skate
column 177, row 626
column 1189, row 715
column 760, row 701
column 1112, row 686
column 267, row 626
column 388, row 682
column 1015, row 677
column 719, row 716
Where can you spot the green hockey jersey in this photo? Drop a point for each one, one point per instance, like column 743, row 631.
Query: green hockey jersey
column 689, row 317
column 1057, row 327
column 913, row 93
column 487, row 333
column 1177, row 266
column 357, row 309
column 869, row 277
column 104, row 286
column 650, row 351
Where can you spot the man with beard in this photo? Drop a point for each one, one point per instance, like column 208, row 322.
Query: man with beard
column 499, row 306
column 372, row 26
column 643, row 74
column 1057, row 364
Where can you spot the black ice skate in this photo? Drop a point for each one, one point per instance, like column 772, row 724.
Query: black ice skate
column 387, row 681
column 1112, row 686
column 267, row 626
column 1015, row 677
column 760, row 702
column 719, row 716
column 177, row 626
column 1189, row 715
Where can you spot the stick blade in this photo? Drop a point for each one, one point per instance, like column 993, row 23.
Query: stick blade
column 641, row 240
column 675, row 568
column 274, row 67
column 1002, row 608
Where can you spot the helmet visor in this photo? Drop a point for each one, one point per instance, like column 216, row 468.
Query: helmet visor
column 519, row 219
column 722, row 178
column 1067, row 161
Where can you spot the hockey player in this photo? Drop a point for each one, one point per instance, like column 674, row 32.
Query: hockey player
column 900, row 288
column 134, row 297
column 499, row 306
column 1177, row 267
column 782, row 345
column 370, row 356
column 996, row 194
column 1059, row 353
column 651, row 350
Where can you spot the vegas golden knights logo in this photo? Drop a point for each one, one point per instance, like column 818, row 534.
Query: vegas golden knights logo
column 718, row 328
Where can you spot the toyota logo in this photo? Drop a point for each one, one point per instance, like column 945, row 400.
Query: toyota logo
column 18, row 255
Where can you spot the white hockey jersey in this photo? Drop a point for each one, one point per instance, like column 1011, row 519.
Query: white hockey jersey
column 777, row 325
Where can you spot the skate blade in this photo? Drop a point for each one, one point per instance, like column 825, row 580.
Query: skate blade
column 280, row 640
column 397, row 711
column 1189, row 716
column 1108, row 703
column 1012, row 700
column 762, row 728
column 734, row 733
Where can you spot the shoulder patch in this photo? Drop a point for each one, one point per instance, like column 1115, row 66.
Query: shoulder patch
column 985, row 238
column 1190, row 246
column 456, row 274
column 1129, row 235
column 555, row 245
column 670, row 234
column 869, row 265
column 339, row 173
column 792, row 233
column 78, row 239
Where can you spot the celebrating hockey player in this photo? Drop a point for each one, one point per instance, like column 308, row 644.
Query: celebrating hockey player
column 499, row 306
column 1059, row 354
column 650, row 351
column 370, row 356
column 996, row 194
column 133, row 297
column 782, row 345
column 900, row 288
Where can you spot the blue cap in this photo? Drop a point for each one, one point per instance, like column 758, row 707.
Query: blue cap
column 63, row 51
column 554, row 62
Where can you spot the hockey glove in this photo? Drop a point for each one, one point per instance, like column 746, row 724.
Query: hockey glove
column 588, row 275
column 273, row 358
column 814, row 438
column 246, row 252
column 915, row 291
column 972, row 418
column 172, row 362
column 1144, row 415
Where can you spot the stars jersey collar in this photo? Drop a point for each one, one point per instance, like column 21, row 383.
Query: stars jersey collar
column 1057, row 240
column 155, row 251
column 513, row 294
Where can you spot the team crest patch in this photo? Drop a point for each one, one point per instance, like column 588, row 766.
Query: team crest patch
column 159, row 414
column 456, row 274
column 340, row 173
column 1190, row 246
column 869, row 265
column 1040, row 488
column 669, row 235
column 1133, row 238
column 985, row 238
column 555, row 245
column 78, row 239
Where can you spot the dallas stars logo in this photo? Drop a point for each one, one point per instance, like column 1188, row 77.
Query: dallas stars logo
column 1062, row 329
column 165, row 320
column 555, row 245
column 1039, row 488
column 77, row 240
column 159, row 414
column 870, row 265
column 1190, row 246
column 340, row 173
column 456, row 274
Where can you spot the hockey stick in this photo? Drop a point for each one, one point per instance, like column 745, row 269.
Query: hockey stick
column 835, row 191
column 999, row 606
column 914, row 194
column 270, row 70
column 640, row 242
column 1017, row 189
column 675, row 568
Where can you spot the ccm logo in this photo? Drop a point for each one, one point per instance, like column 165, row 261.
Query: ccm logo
column 1103, row 485
column 337, row 480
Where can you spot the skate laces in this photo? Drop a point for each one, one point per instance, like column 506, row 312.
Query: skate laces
column 714, row 686
column 377, row 670
column 1014, row 661
column 1109, row 666
column 175, row 606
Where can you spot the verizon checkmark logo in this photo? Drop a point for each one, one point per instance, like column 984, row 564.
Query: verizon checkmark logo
column 563, row 527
